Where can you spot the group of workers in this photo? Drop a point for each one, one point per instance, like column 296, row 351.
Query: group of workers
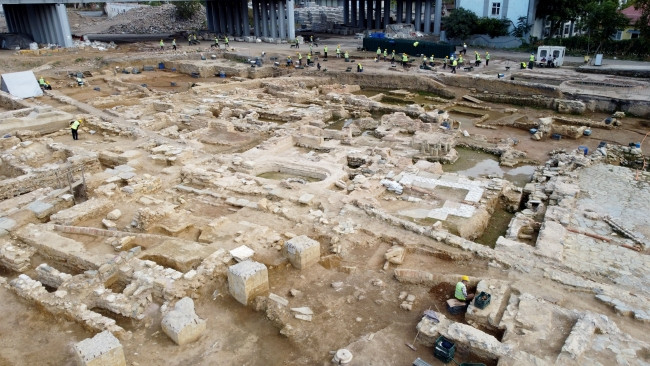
column 193, row 40
column 550, row 62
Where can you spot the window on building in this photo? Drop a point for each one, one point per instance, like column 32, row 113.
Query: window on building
column 496, row 9
column 567, row 29
column 618, row 36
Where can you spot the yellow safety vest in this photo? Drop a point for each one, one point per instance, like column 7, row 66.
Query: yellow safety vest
column 459, row 292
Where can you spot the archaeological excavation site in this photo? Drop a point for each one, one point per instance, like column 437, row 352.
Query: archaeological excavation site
column 221, row 208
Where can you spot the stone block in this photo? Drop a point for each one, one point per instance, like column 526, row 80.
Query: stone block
column 101, row 350
column 182, row 324
column 248, row 279
column 40, row 209
column 302, row 251
column 242, row 253
column 490, row 316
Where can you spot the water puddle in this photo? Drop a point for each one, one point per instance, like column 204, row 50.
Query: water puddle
column 497, row 226
column 476, row 164
column 339, row 124
column 283, row 176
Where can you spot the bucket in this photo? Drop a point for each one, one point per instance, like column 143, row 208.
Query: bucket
column 222, row 74
column 161, row 66
column 637, row 145
column 583, row 149
column 532, row 131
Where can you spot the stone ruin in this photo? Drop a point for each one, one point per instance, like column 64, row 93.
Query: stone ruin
column 323, row 217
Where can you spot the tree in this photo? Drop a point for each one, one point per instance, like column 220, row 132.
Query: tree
column 643, row 24
column 602, row 19
column 493, row 27
column 460, row 23
column 185, row 10
column 522, row 28
column 559, row 12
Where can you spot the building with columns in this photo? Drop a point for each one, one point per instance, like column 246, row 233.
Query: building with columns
column 425, row 15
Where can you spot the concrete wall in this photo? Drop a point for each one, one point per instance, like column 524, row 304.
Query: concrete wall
column 496, row 42
column 113, row 9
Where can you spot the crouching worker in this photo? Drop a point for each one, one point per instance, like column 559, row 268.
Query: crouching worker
column 359, row 67
column 461, row 291
column 44, row 84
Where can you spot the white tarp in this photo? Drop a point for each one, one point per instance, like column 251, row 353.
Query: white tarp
column 21, row 84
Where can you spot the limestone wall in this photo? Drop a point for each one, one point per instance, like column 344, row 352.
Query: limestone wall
column 410, row 82
column 501, row 86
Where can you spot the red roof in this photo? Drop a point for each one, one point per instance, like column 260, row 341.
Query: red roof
column 632, row 14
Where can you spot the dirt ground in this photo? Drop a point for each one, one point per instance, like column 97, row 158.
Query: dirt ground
column 239, row 335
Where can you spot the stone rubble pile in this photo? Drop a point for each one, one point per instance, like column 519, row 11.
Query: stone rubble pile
column 318, row 18
column 157, row 19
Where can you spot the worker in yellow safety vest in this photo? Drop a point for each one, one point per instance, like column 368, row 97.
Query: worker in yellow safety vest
column 461, row 290
column 74, row 127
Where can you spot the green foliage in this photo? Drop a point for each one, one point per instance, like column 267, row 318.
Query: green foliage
column 493, row 27
column 460, row 23
column 79, row 59
column 603, row 19
column 186, row 9
column 637, row 49
column 522, row 28
column 560, row 11
column 643, row 24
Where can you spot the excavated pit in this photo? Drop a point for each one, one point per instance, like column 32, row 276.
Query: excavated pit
column 404, row 190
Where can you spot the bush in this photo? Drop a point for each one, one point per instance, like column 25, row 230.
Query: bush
column 185, row 10
column 492, row 27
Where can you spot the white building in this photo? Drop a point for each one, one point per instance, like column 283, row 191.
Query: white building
column 505, row 9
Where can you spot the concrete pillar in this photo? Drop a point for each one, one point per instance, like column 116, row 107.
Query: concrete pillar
column 362, row 14
column 399, row 11
column 273, row 13
column 282, row 20
column 386, row 13
column 437, row 18
column 265, row 17
column 290, row 20
column 222, row 17
column 418, row 15
column 378, row 14
column 346, row 12
column 369, row 15
column 256, row 17
column 409, row 12
column 246, row 27
column 353, row 5
column 236, row 19
column 208, row 15
column 47, row 23
column 427, row 16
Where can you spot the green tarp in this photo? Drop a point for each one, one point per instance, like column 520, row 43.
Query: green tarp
column 440, row 50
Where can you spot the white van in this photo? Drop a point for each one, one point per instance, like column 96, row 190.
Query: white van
column 550, row 56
